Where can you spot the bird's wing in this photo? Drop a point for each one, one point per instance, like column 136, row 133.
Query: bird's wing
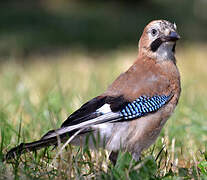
column 94, row 108
column 109, row 109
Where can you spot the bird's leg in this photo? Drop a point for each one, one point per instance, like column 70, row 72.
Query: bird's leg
column 113, row 157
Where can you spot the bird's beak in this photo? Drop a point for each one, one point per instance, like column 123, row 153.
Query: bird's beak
column 173, row 36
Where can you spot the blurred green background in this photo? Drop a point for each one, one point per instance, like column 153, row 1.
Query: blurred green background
column 49, row 26
column 57, row 54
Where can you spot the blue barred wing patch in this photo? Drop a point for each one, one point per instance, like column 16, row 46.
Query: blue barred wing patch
column 143, row 105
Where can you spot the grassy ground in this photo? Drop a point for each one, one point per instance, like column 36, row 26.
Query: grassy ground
column 38, row 95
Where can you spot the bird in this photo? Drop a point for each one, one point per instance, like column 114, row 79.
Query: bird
column 130, row 114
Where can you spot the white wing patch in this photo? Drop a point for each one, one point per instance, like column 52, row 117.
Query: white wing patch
column 104, row 109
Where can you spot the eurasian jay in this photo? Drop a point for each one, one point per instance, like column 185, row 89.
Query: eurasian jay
column 130, row 114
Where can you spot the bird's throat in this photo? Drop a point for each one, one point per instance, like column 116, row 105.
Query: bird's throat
column 166, row 51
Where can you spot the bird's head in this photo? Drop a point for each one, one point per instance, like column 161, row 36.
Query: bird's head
column 158, row 40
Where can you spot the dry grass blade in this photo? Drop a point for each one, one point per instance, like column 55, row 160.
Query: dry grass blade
column 65, row 144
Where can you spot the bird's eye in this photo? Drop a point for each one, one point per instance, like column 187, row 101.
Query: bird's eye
column 154, row 32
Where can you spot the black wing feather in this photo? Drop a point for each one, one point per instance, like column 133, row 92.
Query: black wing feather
column 85, row 112
column 88, row 110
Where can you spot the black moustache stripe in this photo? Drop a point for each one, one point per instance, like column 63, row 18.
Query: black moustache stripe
column 173, row 50
column 156, row 44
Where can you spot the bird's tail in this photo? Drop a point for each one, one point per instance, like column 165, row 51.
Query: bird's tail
column 45, row 141
column 63, row 133
column 26, row 147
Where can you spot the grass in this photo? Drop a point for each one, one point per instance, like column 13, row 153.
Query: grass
column 38, row 95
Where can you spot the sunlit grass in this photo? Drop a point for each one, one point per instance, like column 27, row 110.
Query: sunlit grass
column 40, row 93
